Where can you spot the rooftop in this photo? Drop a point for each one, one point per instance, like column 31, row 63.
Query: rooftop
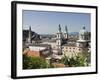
column 70, row 45
column 36, row 48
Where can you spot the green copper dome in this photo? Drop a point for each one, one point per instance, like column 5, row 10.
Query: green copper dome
column 83, row 31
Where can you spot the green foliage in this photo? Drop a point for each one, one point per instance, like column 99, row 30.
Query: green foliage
column 82, row 59
column 33, row 62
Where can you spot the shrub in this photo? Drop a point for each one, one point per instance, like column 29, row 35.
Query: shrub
column 82, row 59
column 33, row 62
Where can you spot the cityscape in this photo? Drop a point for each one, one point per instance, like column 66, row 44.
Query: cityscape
column 59, row 46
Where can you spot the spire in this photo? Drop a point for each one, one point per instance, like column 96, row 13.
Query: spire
column 66, row 29
column 29, row 39
column 84, row 27
column 66, row 32
column 29, row 28
column 59, row 28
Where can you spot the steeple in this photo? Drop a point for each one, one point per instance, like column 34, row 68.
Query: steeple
column 29, row 28
column 59, row 39
column 59, row 28
column 66, row 33
column 66, row 29
column 29, row 35
column 84, row 27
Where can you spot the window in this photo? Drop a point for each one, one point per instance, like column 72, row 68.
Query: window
column 58, row 43
column 79, row 49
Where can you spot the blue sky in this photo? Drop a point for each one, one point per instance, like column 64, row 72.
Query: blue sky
column 44, row 22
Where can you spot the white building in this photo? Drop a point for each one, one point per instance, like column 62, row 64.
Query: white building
column 69, row 48
column 62, row 45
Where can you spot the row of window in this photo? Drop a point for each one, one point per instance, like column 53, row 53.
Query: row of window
column 72, row 50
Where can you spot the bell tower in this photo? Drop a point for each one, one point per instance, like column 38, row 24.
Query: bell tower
column 29, row 35
column 59, row 38
column 66, row 33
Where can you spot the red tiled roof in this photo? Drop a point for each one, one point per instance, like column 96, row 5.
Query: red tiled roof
column 33, row 53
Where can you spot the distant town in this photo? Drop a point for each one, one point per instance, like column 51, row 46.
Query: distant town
column 62, row 49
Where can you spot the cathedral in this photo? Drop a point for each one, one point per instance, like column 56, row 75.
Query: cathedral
column 62, row 44
column 69, row 48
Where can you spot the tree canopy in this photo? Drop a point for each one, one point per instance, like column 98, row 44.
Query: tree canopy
column 33, row 62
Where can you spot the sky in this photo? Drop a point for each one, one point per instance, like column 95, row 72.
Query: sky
column 46, row 22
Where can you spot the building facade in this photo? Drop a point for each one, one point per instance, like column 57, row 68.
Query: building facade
column 79, row 46
column 63, row 44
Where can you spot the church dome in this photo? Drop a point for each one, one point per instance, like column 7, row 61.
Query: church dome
column 83, row 34
column 83, row 31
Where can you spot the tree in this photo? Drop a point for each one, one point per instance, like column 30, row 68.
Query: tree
column 33, row 62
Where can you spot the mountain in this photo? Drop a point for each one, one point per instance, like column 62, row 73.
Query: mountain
column 47, row 35
column 35, row 36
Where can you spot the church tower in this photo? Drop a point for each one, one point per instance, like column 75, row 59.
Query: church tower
column 66, row 33
column 59, row 38
column 83, row 38
column 29, row 35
